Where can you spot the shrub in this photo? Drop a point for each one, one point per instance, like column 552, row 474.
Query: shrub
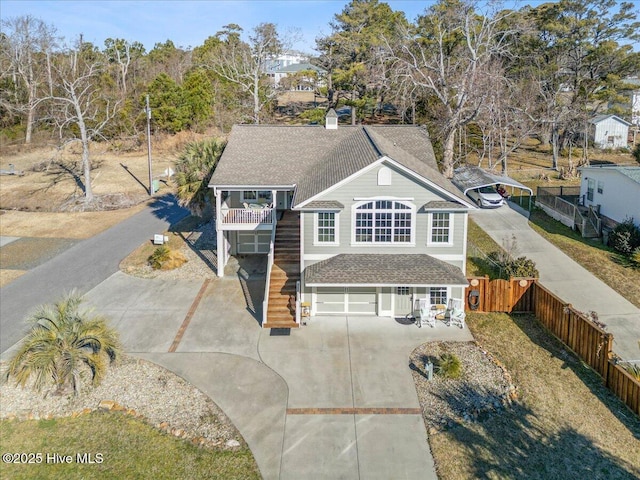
column 449, row 366
column 521, row 267
column 633, row 370
column 625, row 238
column 163, row 258
column 635, row 257
column 159, row 256
column 636, row 153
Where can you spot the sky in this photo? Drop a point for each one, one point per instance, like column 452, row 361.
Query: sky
column 188, row 23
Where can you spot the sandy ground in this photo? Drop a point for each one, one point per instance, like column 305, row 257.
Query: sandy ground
column 33, row 204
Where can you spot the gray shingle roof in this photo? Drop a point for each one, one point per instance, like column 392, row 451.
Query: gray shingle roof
column 390, row 269
column 314, row 158
column 443, row 205
column 324, row 205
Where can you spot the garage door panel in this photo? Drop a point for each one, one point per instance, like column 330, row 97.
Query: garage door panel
column 330, row 300
column 362, row 300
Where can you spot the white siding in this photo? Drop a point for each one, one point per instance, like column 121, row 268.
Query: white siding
column 611, row 133
column 620, row 197
column 402, row 187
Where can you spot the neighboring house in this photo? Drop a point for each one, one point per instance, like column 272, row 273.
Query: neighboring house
column 634, row 98
column 302, row 83
column 354, row 220
column 614, row 190
column 284, row 60
column 609, row 131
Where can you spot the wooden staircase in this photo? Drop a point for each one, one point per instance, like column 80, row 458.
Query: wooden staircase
column 284, row 273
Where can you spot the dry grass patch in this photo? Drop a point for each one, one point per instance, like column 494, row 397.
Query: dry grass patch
column 189, row 239
column 602, row 261
column 62, row 225
column 566, row 424
column 7, row 276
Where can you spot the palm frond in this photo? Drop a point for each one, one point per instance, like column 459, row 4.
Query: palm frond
column 63, row 341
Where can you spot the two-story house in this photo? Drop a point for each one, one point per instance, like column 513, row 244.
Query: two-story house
column 354, row 220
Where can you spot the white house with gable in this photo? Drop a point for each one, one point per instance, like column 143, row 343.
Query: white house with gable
column 609, row 131
column 616, row 189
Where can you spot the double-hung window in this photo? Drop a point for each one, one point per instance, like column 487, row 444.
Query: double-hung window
column 326, row 228
column 438, row 295
column 440, row 228
column 383, row 222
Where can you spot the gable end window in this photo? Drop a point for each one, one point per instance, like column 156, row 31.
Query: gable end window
column 326, row 228
column 440, row 228
column 383, row 222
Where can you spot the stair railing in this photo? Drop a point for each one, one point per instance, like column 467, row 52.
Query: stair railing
column 270, row 257
column 298, row 303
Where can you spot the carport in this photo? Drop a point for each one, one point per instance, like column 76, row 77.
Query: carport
column 470, row 177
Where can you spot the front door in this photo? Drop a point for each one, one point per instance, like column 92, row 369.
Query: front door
column 402, row 304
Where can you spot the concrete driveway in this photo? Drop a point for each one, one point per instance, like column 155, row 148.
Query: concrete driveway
column 566, row 278
column 334, row 399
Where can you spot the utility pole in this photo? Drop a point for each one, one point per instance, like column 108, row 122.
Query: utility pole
column 148, row 110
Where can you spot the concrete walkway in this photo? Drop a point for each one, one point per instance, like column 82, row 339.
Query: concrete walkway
column 334, row 399
column 565, row 278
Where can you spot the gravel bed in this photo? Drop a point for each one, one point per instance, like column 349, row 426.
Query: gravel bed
column 485, row 387
column 139, row 388
column 200, row 252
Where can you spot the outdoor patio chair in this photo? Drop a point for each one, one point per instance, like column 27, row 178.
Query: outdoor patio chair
column 427, row 315
column 455, row 312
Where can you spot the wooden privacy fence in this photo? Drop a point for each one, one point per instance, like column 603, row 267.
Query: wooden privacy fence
column 513, row 295
column 587, row 339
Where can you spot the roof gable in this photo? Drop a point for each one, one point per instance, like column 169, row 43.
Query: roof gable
column 631, row 172
column 601, row 118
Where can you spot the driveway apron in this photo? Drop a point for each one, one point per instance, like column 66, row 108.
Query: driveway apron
column 565, row 278
column 333, row 399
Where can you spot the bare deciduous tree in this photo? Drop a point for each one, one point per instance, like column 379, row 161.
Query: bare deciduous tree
column 245, row 64
column 446, row 56
column 27, row 48
column 81, row 105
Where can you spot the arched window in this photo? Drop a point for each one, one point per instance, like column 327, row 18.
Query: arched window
column 383, row 221
column 384, row 176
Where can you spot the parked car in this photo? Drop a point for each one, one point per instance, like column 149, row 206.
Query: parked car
column 486, row 197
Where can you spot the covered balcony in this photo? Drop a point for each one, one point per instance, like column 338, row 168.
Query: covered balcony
column 252, row 217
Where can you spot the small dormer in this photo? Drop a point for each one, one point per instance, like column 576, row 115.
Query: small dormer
column 331, row 120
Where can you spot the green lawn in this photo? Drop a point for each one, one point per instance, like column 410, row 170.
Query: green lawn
column 480, row 244
column 610, row 267
column 129, row 448
column 564, row 425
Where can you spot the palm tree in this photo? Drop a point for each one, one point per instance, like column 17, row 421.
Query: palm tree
column 64, row 344
column 193, row 172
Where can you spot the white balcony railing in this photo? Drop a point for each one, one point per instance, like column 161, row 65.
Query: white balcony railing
column 245, row 216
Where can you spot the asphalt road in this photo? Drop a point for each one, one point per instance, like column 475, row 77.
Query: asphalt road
column 81, row 267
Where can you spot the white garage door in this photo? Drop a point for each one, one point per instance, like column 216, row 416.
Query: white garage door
column 330, row 300
column 361, row 300
column 346, row 300
column 254, row 242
